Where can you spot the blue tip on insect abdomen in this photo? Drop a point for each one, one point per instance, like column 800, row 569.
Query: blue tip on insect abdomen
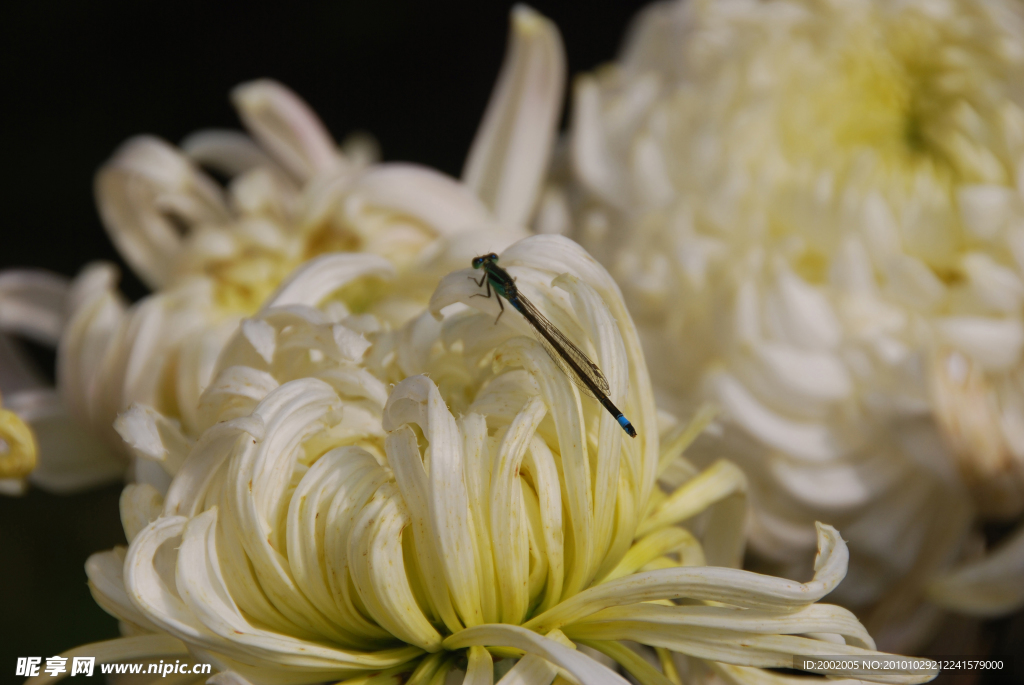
column 626, row 425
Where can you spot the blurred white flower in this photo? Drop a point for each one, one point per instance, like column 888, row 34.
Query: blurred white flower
column 814, row 210
column 214, row 254
column 326, row 524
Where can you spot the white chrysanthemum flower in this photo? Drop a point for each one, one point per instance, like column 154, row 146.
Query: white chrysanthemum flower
column 328, row 525
column 214, row 254
column 814, row 210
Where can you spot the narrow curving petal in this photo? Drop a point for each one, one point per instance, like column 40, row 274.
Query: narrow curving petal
column 513, row 144
column 725, row 585
column 320, row 277
column 417, row 400
column 375, row 549
column 142, row 193
column 34, row 304
column 120, row 649
column 287, row 127
column 440, row 202
column 581, row 667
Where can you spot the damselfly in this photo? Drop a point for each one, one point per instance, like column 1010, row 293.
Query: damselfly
column 570, row 359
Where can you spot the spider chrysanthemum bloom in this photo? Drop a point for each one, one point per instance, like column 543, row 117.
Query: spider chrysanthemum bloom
column 814, row 211
column 213, row 253
column 328, row 525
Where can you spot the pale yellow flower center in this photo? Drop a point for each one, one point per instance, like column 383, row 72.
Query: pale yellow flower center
column 910, row 92
column 244, row 281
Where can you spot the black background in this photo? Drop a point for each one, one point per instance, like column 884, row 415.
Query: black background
column 79, row 78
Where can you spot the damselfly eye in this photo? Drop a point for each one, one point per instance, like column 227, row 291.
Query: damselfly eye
column 477, row 261
column 493, row 257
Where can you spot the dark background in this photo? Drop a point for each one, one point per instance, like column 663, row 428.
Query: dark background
column 79, row 78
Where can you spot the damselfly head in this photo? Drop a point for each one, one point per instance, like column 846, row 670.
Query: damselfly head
column 479, row 261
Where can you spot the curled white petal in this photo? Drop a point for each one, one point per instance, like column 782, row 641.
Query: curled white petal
column 153, row 436
column 438, row 201
column 320, row 277
column 141, row 191
column 286, row 126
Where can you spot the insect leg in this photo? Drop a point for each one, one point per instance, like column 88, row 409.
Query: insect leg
column 502, row 306
column 481, row 283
